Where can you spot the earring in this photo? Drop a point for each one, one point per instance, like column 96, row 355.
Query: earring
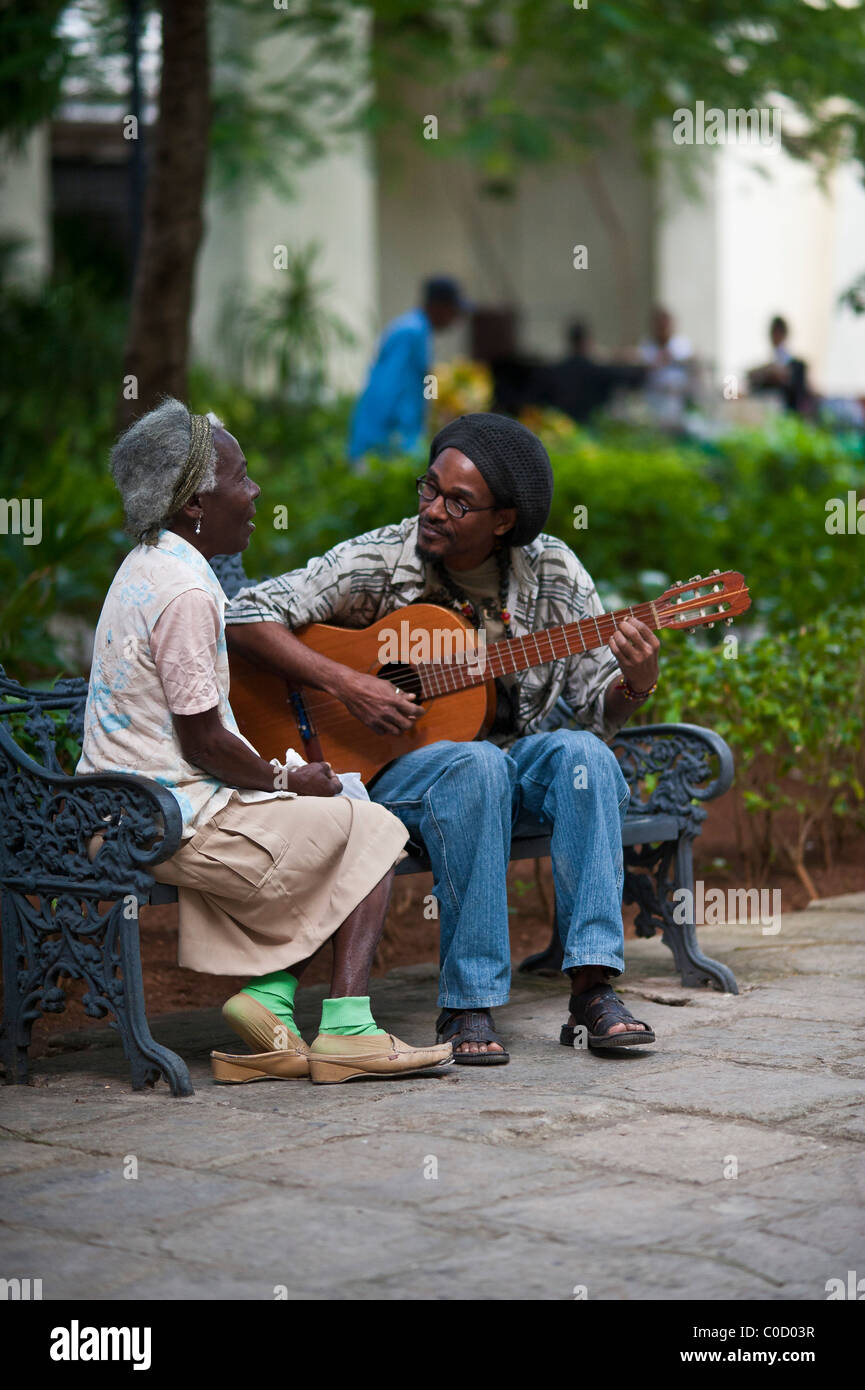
column 198, row 526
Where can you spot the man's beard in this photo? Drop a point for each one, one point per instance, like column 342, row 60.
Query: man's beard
column 432, row 557
column 428, row 556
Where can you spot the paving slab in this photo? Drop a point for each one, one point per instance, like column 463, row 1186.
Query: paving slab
column 726, row 1162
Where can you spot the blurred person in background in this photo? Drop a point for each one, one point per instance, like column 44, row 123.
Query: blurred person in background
column 390, row 415
column 579, row 385
column 671, row 378
column 783, row 373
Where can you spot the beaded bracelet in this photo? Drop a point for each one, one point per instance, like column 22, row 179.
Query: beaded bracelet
column 631, row 694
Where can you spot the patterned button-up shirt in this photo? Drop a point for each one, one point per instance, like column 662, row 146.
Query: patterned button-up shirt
column 363, row 579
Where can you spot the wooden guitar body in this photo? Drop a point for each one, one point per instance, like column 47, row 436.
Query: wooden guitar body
column 267, row 710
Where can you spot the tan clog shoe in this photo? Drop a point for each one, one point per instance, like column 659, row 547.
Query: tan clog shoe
column 259, row 1066
column 333, row 1057
column 260, row 1029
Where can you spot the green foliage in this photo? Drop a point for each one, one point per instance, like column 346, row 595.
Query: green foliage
column 638, row 491
column 657, row 511
column 33, row 62
column 756, row 503
column 64, row 576
column 772, row 518
column 792, row 707
column 56, row 426
column 523, row 80
column 288, row 333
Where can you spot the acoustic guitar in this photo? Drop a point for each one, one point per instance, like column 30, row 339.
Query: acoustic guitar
column 438, row 656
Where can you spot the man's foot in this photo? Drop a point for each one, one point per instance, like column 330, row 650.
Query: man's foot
column 583, row 979
column 471, row 1033
column 606, row 1020
column 632, row 1027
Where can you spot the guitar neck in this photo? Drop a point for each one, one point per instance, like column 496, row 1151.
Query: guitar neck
column 535, row 649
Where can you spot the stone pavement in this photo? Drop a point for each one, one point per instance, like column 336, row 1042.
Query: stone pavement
column 725, row 1162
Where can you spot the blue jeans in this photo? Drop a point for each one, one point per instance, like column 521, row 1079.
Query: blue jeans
column 463, row 800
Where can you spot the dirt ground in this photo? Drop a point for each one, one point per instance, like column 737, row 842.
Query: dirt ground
column 411, row 938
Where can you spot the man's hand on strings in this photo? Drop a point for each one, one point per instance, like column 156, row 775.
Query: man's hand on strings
column 383, row 707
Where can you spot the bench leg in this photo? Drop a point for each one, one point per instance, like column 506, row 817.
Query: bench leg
column 548, row 961
column 652, row 874
column 694, row 967
column 42, row 945
column 20, row 1005
column 147, row 1058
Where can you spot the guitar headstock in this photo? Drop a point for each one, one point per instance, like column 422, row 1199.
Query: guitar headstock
column 702, row 602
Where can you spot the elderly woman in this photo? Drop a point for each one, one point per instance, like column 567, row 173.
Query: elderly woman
column 266, row 875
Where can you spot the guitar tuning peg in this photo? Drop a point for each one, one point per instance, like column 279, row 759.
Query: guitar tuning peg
column 729, row 622
column 710, row 625
column 716, row 589
column 716, row 571
column 694, row 577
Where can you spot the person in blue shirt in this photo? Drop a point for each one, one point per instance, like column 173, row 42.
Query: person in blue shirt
column 390, row 415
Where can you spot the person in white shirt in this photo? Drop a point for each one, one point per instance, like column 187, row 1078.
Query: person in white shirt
column 273, row 860
column 670, row 381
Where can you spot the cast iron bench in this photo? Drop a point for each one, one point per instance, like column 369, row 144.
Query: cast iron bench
column 65, row 915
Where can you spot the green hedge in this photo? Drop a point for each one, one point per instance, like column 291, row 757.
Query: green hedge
column 792, row 708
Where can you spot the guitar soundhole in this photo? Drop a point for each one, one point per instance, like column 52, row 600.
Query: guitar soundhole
column 406, row 677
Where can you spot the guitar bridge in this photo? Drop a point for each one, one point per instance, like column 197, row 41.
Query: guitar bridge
column 305, row 729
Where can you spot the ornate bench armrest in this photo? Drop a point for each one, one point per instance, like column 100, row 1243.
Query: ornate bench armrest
column 50, row 819
column 676, row 757
column 680, row 754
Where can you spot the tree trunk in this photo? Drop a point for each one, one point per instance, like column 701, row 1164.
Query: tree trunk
column 158, row 336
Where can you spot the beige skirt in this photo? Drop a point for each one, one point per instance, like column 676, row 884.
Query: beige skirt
column 263, row 885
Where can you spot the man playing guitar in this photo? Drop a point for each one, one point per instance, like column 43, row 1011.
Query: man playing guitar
column 477, row 546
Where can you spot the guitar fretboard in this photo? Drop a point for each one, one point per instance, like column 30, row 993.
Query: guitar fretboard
column 535, row 649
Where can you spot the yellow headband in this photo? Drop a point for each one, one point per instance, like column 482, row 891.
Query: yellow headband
column 195, row 467
column 191, row 474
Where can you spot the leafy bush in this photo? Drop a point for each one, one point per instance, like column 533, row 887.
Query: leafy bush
column 792, row 708
column 774, row 486
column 56, row 425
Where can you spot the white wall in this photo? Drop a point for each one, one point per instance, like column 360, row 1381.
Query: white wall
column 333, row 204
column 25, row 202
column 687, row 250
column 764, row 239
column 844, row 363
column 433, row 218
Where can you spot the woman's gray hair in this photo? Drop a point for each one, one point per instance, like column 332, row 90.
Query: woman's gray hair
column 147, row 461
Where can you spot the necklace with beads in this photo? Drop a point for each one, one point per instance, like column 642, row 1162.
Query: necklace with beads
column 473, row 611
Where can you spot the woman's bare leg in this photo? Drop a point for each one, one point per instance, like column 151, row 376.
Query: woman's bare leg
column 355, row 941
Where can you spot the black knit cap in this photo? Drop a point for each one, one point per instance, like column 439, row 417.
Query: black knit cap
column 512, row 462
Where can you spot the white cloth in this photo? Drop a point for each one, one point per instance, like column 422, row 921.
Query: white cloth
column 352, row 786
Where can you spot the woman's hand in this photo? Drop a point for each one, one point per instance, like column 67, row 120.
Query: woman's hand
column 316, row 779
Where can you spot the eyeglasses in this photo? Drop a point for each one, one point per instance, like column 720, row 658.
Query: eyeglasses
column 428, row 491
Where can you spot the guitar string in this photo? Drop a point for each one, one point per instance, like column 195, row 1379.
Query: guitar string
column 438, row 671
column 316, row 702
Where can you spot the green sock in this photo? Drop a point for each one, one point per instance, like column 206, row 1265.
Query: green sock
column 276, row 992
column 351, row 1016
